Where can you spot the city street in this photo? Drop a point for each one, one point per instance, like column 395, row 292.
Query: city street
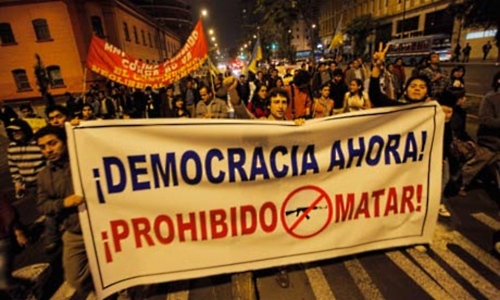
column 478, row 75
column 249, row 150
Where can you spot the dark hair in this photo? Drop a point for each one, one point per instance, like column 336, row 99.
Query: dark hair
column 60, row 133
column 326, row 84
column 26, row 106
column 496, row 82
column 447, row 98
column 23, row 126
column 278, row 91
column 301, row 78
column 360, row 84
column 256, row 93
column 321, row 64
column 209, row 90
column 431, row 54
column 177, row 98
column 458, row 68
column 338, row 72
column 88, row 105
column 424, row 78
column 63, row 110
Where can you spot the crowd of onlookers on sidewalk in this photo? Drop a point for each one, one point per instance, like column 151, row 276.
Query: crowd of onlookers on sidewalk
column 38, row 161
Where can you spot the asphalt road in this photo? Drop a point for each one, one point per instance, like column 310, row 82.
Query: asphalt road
column 478, row 76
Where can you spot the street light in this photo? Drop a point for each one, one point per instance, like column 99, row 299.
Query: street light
column 211, row 32
column 204, row 12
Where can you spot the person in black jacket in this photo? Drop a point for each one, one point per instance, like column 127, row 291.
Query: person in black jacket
column 338, row 89
column 416, row 90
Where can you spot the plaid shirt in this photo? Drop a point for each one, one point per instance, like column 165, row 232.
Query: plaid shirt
column 439, row 85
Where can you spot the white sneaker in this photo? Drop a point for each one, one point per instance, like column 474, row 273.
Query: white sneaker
column 443, row 211
column 420, row 248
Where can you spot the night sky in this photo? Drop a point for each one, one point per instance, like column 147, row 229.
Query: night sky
column 223, row 17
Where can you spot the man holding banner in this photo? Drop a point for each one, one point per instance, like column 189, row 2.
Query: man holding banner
column 57, row 199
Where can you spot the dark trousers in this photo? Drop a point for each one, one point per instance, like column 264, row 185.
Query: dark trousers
column 51, row 232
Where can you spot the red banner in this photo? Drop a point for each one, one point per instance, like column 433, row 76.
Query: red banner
column 114, row 64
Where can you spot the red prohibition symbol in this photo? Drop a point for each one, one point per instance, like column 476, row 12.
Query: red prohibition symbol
column 313, row 198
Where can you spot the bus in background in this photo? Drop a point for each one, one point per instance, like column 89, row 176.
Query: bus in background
column 413, row 49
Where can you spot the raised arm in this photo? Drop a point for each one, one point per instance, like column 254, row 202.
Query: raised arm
column 376, row 97
column 240, row 110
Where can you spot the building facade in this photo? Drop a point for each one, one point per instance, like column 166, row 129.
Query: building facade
column 60, row 31
column 398, row 19
column 172, row 14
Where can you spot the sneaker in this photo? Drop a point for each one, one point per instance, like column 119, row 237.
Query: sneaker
column 443, row 211
column 420, row 248
column 282, row 278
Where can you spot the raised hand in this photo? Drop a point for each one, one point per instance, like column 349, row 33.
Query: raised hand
column 379, row 56
column 230, row 82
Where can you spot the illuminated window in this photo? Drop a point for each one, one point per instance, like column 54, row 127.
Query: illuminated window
column 481, row 34
column 41, row 30
column 21, row 80
column 55, row 76
column 6, row 34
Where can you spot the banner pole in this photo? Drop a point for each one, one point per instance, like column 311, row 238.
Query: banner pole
column 84, row 86
column 209, row 61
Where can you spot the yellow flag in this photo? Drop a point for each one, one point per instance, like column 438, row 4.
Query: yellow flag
column 338, row 37
column 256, row 56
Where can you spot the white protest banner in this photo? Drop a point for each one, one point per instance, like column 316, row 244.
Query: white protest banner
column 184, row 198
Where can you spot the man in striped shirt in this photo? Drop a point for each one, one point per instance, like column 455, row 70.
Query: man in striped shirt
column 25, row 160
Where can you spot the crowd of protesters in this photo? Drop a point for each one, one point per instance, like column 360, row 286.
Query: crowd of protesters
column 38, row 162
